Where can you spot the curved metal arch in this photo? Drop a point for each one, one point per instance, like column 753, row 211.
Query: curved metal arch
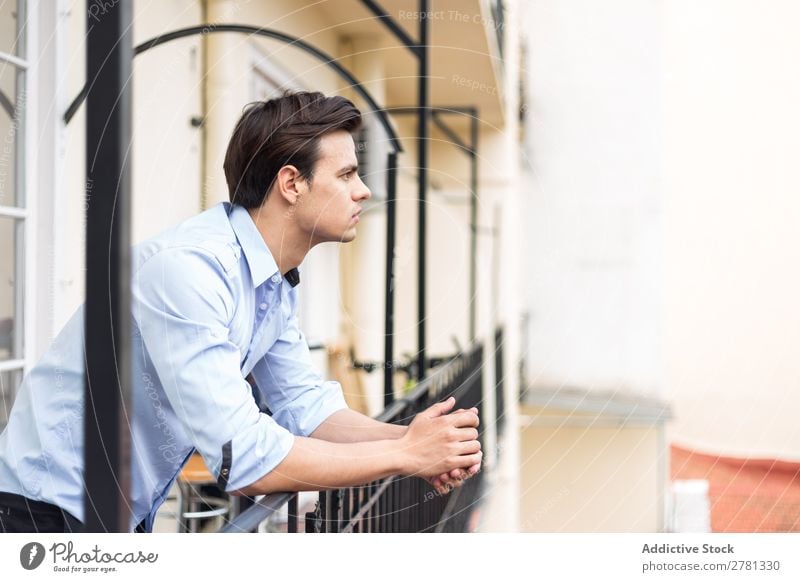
column 269, row 33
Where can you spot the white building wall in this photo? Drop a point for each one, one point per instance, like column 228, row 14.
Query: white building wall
column 662, row 217
column 593, row 259
column 731, row 130
column 592, row 216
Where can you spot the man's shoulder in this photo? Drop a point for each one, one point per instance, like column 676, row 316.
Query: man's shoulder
column 208, row 233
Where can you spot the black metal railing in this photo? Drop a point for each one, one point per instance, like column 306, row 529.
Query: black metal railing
column 523, row 355
column 399, row 503
column 499, row 381
column 498, row 13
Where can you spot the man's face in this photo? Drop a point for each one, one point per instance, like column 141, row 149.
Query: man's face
column 328, row 210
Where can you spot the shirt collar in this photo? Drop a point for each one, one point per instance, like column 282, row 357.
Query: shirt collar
column 259, row 258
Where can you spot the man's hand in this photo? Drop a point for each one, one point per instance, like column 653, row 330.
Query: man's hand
column 446, row 482
column 439, row 443
column 434, row 443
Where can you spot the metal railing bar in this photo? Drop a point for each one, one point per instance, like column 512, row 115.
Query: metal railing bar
column 11, row 365
column 254, row 515
column 393, row 504
column 13, row 212
column 291, row 526
column 6, row 104
column 448, row 510
column 210, row 28
column 390, row 23
column 374, row 497
column 14, row 60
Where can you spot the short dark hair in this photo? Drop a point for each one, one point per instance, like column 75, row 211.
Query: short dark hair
column 285, row 130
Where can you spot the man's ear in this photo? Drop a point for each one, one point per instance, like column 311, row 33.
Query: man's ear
column 290, row 184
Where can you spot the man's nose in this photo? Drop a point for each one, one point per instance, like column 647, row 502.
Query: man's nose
column 364, row 193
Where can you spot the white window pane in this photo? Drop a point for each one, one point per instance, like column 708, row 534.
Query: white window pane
column 12, row 104
column 11, row 41
column 10, row 289
column 9, row 383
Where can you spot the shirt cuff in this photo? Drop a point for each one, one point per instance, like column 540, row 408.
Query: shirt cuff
column 254, row 452
column 303, row 417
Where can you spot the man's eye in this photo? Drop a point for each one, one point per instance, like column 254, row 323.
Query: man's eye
column 349, row 175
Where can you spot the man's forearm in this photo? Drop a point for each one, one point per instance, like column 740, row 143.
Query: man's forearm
column 315, row 464
column 433, row 444
column 349, row 426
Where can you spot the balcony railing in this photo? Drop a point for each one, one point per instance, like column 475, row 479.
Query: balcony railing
column 499, row 381
column 395, row 504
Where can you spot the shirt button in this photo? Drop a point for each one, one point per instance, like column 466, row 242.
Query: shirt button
column 263, row 306
column 276, row 279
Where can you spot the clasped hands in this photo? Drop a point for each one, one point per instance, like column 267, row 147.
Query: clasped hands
column 447, row 481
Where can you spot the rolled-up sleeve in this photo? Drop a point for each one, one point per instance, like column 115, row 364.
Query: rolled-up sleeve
column 183, row 307
column 298, row 397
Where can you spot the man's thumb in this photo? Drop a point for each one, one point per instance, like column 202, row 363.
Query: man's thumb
column 441, row 408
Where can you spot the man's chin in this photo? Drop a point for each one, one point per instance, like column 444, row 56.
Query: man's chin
column 348, row 236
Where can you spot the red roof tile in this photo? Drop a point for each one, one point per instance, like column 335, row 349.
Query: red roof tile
column 746, row 495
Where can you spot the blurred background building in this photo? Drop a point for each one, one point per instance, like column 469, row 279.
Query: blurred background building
column 661, row 208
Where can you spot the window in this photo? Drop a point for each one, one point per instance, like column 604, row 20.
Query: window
column 268, row 79
column 13, row 212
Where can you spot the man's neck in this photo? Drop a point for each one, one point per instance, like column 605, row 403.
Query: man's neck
column 284, row 241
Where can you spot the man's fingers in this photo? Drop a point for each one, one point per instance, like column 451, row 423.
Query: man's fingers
column 473, row 410
column 468, row 448
column 467, row 434
column 464, row 419
column 470, row 460
column 441, row 408
column 455, row 478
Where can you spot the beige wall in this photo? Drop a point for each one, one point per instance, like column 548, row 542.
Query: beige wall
column 69, row 198
column 363, row 260
column 166, row 154
column 731, row 143
column 578, row 475
column 166, row 95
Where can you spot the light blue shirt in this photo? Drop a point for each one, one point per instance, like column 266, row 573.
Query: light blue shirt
column 210, row 307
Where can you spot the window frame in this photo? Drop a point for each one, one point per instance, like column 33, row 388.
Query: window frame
column 23, row 212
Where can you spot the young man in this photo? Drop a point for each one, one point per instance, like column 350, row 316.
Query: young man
column 214, row 302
